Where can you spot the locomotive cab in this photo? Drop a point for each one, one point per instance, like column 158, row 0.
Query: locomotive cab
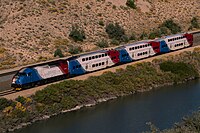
column 24, row 78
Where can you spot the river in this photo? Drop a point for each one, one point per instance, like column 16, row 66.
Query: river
column 163, row 107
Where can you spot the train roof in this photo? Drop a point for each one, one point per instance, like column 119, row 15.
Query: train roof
column 131, row 44
column 169, row 36
column 87, row 54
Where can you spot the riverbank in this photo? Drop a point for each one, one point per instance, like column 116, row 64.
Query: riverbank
column 189, row 124
column 72, row 95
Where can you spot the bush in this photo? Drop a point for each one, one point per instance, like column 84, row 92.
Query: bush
column 143, row 36
column 5, row 103
column 173, row 27
column 164, row 31
column 77, row 34
column 180, row 68
column 21, row 99
column 75, row 49
column 115, row 31
column 155, row 34
column 58, row 53
column 101, row 23
column 102, row 44
column 194, row 23
column 131, row 4
column 114, row 42
column 132, row 37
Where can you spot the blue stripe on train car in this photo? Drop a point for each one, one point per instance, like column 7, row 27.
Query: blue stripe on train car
column 124, row 56
column 163, row 47
column 75, row 68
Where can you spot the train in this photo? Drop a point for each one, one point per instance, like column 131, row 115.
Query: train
column 45, row 73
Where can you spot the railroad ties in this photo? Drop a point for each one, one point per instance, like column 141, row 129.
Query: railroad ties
column 6, row 92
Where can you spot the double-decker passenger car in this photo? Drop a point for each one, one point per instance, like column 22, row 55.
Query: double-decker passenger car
column 92, row 61
column 138, row 50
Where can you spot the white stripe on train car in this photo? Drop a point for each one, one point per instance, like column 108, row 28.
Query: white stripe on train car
column 48, row 71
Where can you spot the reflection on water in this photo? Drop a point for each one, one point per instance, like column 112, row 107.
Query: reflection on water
column 163, row 107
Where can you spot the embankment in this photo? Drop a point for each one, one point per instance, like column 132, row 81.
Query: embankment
column 71, row 95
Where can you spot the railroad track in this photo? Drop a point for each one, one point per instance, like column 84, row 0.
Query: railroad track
column 6, row 92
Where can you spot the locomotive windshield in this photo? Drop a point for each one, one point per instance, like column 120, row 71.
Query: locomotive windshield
column 21, row 74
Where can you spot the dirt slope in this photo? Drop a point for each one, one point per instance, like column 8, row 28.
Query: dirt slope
column 30, row 29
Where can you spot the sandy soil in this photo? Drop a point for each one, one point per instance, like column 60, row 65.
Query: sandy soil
column 30, row 92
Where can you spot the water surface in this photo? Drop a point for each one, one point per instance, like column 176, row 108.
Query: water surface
column 163, row 107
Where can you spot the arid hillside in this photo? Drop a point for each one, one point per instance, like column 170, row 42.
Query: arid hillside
column 31, row 30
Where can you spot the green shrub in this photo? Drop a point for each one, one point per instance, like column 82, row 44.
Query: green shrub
column 114, row 42
column 155, row 34
column 194, row 23
column 77, row 34
column 132, row 37
column 75, row 49
column 143, row 36
column 115, row 31
column 21, row 99
column 124, row 38
column 58, row 53
column 180, row 68
column 101, row 23
column 164, row 31
column 102, row 44
column 131, row 4
column 173, row 27
column 5, row 103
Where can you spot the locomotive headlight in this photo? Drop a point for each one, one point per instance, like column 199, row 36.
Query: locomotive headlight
column 13, row 81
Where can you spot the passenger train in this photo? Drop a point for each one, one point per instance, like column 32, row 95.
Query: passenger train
column 93, row 61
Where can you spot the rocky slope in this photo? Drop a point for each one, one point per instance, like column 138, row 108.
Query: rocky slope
column 31, row 30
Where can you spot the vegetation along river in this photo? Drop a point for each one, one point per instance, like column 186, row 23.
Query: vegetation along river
column 163, row 107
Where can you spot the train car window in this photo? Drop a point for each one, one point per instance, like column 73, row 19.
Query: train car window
column 106, row 54
column 99, row 56
column 90, row 58
column 102, row 63
column 93, row 57
column 96, row 56
column 86, row 59
column 103, row 55
column 83, row 59
column 141, row 46
column 96, row 65
column 99, row 64
column 93, row 65
column 130, row 49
